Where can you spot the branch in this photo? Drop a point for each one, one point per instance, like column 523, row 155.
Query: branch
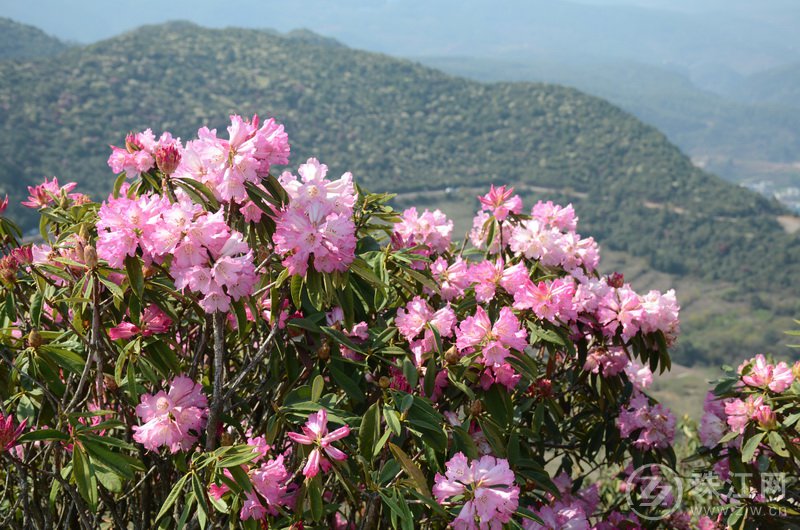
column 219, row 380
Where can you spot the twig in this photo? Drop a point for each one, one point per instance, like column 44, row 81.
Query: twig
column 219, row 380
column 262, row 352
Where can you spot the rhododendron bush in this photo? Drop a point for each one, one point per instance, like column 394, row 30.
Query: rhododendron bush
column 222, row 344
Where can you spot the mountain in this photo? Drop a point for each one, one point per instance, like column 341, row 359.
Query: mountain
column 777, row 85
column 754, row 142
column 402, row 127
column 20, row 41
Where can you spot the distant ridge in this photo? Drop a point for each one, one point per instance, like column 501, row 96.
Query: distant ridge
column 20, row 41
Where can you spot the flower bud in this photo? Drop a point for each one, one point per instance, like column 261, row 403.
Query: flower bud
column 90, row 256
column 324, row 352
column 616, row 280
column 110, row 383
column 8, row 276
column 475, row 408
column 765, row 417
column 132, row 143
column 796, row 370
column 34, row 339
column 452, row 356
column 384, row 382
column 168, row 158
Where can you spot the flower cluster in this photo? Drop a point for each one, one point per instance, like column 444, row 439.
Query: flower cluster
column 49, row 192
column 429, row 230
column 225, row 166
column 487, row 485
column 172, row 419
column 654, row 423
column 142, row 152
column 318, row 221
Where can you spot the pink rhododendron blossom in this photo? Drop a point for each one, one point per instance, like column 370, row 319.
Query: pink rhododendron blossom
column 501, row 201
column 776, row 377
column 317, row 222
column 487, row 486
column 486, row 276
column 620, row 309
column 48, row 192
column 740, row 412
column 495, row 340
column 428, row 229
column 560, row 516
column 639, row 375
column 480, row 232
column 713, row 424
column 416, row 318
column 173, row 419
column 453, row 279
column 655, row 423
column 549, row 300
column 608, row 361
column 315, row 432
column 154, row 321
column 225, row 166
column 560, row 217
column 9, row 433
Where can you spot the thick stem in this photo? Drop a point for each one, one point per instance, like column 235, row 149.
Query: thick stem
column 219, row 380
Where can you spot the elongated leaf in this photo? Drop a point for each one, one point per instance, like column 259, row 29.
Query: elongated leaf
column 84, row 476
column 43, row 434
column 369, row 432
column 133, row 267
column 411, row 468
column 750, row 446
column 172, row 497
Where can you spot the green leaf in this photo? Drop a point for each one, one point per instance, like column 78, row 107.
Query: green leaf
column 133, row 267
column 63, row 358
column 392, row 419
column 750, row 446
column 411, row 468
column 369, row 432
column 314, row 488
column 349, row 386
column 36, row 309
column 777, row 444
column 43, row 434
column 317, row 386
column 296, row 288
column 83, row 473
column 172, row 497
column 200, row 495
column 122, row 465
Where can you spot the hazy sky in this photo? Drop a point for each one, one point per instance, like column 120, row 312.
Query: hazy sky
column 712, row 37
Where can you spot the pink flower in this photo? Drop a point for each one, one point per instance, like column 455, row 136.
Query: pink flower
column 315, row 432
column 317, row 221
column 418, row 317
column 562, row 218
column 486, row 276
column 550, row 300
column 4, row 205
column 9, row 433
column 620, row 308
column 560, row 516
column 477, row 331
column 639, row 375
column 764, row 375
column 172, row 419
column 656, row 423
column 740, row 412
column 608, row 361
column 154, row 321
column 429, row 229
column 488, row 489
column 225, row 166
column 500, row 202
column 46, row 193
column 453, row 279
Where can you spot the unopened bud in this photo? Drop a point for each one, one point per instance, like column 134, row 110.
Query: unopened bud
column 226, row 439
column 384, row 382
column 796, row 370
column 132, row 144
column 475, row 408
column 766, row 418
column 324, row 352
column 34, row 339
column 110, row 383
column 452, row 356
column 90, row 256
column 8, row 277
column 616, row 280
column 168, row 158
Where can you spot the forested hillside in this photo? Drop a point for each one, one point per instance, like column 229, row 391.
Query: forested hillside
column 19, row 41
column 399, row 127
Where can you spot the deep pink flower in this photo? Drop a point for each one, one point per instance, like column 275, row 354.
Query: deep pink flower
column 495, row 341
column 501, row 201
column 9, row 433
column 487, row 484
column 46, row 193
column 549, row 300
column 762, row 374
column 315, row 432
column 656, row 423
column 172, row 419
column 453, row 279
column 154, row 321
column 560, row 516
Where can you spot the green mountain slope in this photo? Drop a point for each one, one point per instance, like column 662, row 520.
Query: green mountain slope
column 401, row 127
column 20, row 41
column 778, row 85
column 753, row 141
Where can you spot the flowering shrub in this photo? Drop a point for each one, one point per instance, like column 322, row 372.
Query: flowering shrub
column 215, row 346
